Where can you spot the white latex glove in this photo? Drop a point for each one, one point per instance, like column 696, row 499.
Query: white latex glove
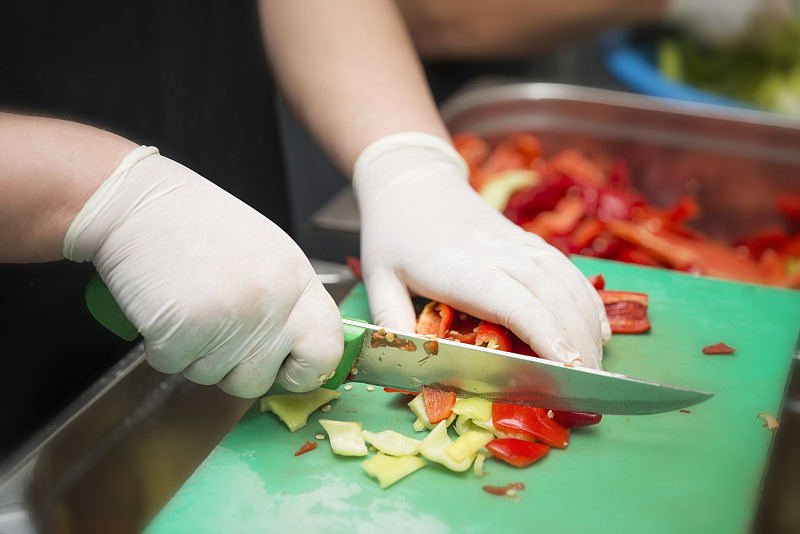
column 722, row 21
column 425, row 231
column 217, row 290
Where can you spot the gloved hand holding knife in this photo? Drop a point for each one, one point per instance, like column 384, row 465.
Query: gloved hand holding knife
column 426, row 232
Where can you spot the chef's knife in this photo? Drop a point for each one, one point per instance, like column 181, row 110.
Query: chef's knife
column 406, row 361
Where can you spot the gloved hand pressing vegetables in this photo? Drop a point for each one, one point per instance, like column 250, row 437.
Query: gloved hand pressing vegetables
column 425, row 231
column 217, row 290
column 719, row 22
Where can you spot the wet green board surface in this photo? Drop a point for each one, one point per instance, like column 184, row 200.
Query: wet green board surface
column 674, row 472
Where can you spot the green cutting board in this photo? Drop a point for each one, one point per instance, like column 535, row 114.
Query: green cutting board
column 675, row 472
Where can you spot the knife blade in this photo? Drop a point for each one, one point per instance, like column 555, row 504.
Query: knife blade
column 406, row 361
column 401, row 360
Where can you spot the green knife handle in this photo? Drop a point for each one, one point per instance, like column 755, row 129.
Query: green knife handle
column 106, row 311
column 353, row 339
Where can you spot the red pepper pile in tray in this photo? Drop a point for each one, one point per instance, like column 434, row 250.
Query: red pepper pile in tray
column 582, row 208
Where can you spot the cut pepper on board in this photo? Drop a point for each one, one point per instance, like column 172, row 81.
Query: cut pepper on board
column 438, row 404
column 569, row 419
column 307, row 446
column 528, row 423
column 517, row 452
column 718, row 348
column 626, row 311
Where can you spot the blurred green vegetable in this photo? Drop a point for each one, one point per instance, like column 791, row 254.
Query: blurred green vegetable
column 763, row 70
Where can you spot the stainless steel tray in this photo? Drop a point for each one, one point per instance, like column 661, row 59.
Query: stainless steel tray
column 735, row 160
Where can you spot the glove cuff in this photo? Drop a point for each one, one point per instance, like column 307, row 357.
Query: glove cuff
column 97, row 203
column 393, row 158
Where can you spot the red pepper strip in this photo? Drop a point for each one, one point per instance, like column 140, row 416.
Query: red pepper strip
column 673, row 254
column 562, row 220
column 718, row 348
column 309, row 446
column 395, row 390
column 472, row 148
column 686, row 209
column 528, row 145
column 355, row 267
column 631, row 254
column 626, row 311
column 598, row 281
column 792, row 246
column 528, row 423
column 569, row 419
column 525, row 204
column 438, row 403
column 571, row 162
column 493, row 336
column 517, row 452
column 503, row 158
column 435, row 319
column 586, row 232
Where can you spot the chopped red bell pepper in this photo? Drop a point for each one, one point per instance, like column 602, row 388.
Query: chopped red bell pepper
column 528, row 423
column 493, row 336
column 472, row 147
column 435, row 320
column 626, row 311
column 571, row 162
column 685, row 209
column 561, row 220
column 598, row 281
column 718, row 348
column 569, row 419
column 438, row 403
column 355, row 266
column 308, row 446
column 517, row 452
column 587, row 231
column 526, row 204
column 528, row 145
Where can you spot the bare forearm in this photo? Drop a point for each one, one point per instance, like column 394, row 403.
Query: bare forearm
column 348, row 70
column 48, row 170
column 477, row 29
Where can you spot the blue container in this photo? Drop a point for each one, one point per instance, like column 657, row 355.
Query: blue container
column 634, row 65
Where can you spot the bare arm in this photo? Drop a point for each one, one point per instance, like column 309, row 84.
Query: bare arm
column 348, row 70
column 48, row 170
column 477, row 29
